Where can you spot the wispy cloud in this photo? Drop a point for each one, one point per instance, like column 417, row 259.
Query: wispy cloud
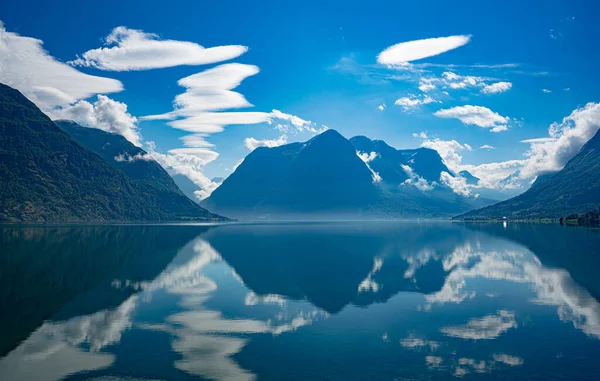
column 404, row 52
column 451, row 81
column 130, row 49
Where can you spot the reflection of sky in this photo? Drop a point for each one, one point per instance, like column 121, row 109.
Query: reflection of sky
column 217, row 316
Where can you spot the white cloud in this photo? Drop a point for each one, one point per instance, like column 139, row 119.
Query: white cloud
column 130, row 49
column 26, row 66
column 293, row 124
column 252, row 143
column 476, row 115
column 420, row 135
column 367, row 157
column 381, row 107
column 565, row 140
column 450, row 80
column 498, row 87
column 485, row 328
column 546, row 91
column 491, row 175
column 458, row 184
column 189, row 162
column 416, row 180
column 413, row 101
column 499, row 128
column 426, row 84
column 449, row 151
column 415, row 50
column 105, row 114
column 455, row 81
column 487, row 146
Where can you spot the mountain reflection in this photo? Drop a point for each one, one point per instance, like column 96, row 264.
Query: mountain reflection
column 215, row 303
column 335, row 265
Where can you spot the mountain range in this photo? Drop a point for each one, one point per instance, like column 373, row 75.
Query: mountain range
column 46, row 175
column 331, row 176
column 574, row 189
column 62, row 172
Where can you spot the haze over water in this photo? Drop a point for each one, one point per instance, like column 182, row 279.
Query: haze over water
column 335, row 301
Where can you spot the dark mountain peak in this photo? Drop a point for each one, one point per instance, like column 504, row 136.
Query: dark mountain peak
column 329, row 133
column 364, row 144
column 327, row 137
column 423, row 152
column 323, row 174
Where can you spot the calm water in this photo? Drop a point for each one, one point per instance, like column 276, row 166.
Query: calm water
column 353, row 301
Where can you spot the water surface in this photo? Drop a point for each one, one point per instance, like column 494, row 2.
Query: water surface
column 343, row 301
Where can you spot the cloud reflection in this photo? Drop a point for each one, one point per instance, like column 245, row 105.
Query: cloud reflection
column 552, row 287
column 485, row 328
column 55, row 349
column 205, row 338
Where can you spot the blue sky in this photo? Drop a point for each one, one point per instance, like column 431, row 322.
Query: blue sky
column 318, row 61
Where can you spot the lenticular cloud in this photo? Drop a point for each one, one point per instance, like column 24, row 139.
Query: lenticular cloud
column 415, row 50
column 130, row 49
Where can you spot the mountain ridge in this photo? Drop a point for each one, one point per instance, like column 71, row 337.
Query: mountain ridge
column 46, row 176
column 149, row 177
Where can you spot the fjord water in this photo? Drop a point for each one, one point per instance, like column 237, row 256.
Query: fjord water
column 343, row 301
